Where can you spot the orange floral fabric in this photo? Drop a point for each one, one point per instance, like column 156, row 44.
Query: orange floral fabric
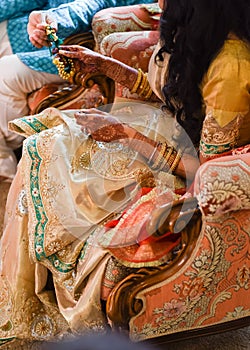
column 213, row 284
column 212, row 287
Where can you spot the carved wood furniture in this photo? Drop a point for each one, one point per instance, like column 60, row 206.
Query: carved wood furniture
column 205, row 288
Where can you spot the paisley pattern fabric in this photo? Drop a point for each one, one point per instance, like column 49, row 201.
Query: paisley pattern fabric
column 120, row 20
column 213, row 285
column 224, row 185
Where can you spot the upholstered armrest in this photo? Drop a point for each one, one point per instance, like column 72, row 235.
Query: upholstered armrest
column 223, row 185
column 181, row 216
column 92, row 90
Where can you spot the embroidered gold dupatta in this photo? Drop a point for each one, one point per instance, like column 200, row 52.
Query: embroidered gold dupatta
column 56, row 202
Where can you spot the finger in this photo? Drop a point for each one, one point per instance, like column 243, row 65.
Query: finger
column 81, row 119
column 42, row 26
column 38, row 41
column 80, row 114
column 70, row 54
column 86, row 130
column 46, row 20
column 72, row 47
column 40, row 33
column 91, row 118
column 95, row 111
column 43, row 18
column 35, row 43
column 52, row 23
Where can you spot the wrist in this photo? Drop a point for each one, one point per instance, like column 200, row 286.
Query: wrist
column 131, row 132
column 105, row 63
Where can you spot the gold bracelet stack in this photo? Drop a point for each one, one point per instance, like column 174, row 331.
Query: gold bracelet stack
column 141, row 86
column 138, row 81
column 160, row 157
column 167, row 159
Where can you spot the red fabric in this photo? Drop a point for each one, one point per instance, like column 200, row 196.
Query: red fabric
column 134, row 245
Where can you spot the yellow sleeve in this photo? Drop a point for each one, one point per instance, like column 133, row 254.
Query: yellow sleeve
column 226, row 95
column 226, row 87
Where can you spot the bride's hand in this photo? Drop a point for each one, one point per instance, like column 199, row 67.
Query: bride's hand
column 101, row 126
column 85, row 60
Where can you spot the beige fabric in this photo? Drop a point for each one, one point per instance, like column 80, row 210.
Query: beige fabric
column 54, row 206
column 16, row 82
column 157, row 73
column 5, row 47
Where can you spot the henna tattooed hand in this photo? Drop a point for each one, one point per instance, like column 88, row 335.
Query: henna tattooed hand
column 88, row 61
column 101, row 125
column 85, row 60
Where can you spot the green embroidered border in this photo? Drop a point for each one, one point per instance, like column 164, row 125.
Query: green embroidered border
column 214, row 149
column 41, row 216
column 34, row 124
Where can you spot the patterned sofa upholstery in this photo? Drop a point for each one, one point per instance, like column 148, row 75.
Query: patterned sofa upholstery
column 129, row 36
column 206, row 287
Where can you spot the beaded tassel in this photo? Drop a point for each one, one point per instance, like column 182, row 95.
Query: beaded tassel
column 64, row 65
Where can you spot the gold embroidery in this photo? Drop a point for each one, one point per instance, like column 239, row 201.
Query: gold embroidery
column 216, row 139
column 81, row 158
column 111, row 160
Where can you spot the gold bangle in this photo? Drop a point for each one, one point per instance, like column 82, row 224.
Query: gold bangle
column 163, row 152
column 176, row 161
column 167, row 155
column 143, row 84
column 171, row 158
column 147, row 90
column 138, row 81
column 160, row 156
column 149, row 94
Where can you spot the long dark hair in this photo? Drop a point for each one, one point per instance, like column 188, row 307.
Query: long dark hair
column 193, row 32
